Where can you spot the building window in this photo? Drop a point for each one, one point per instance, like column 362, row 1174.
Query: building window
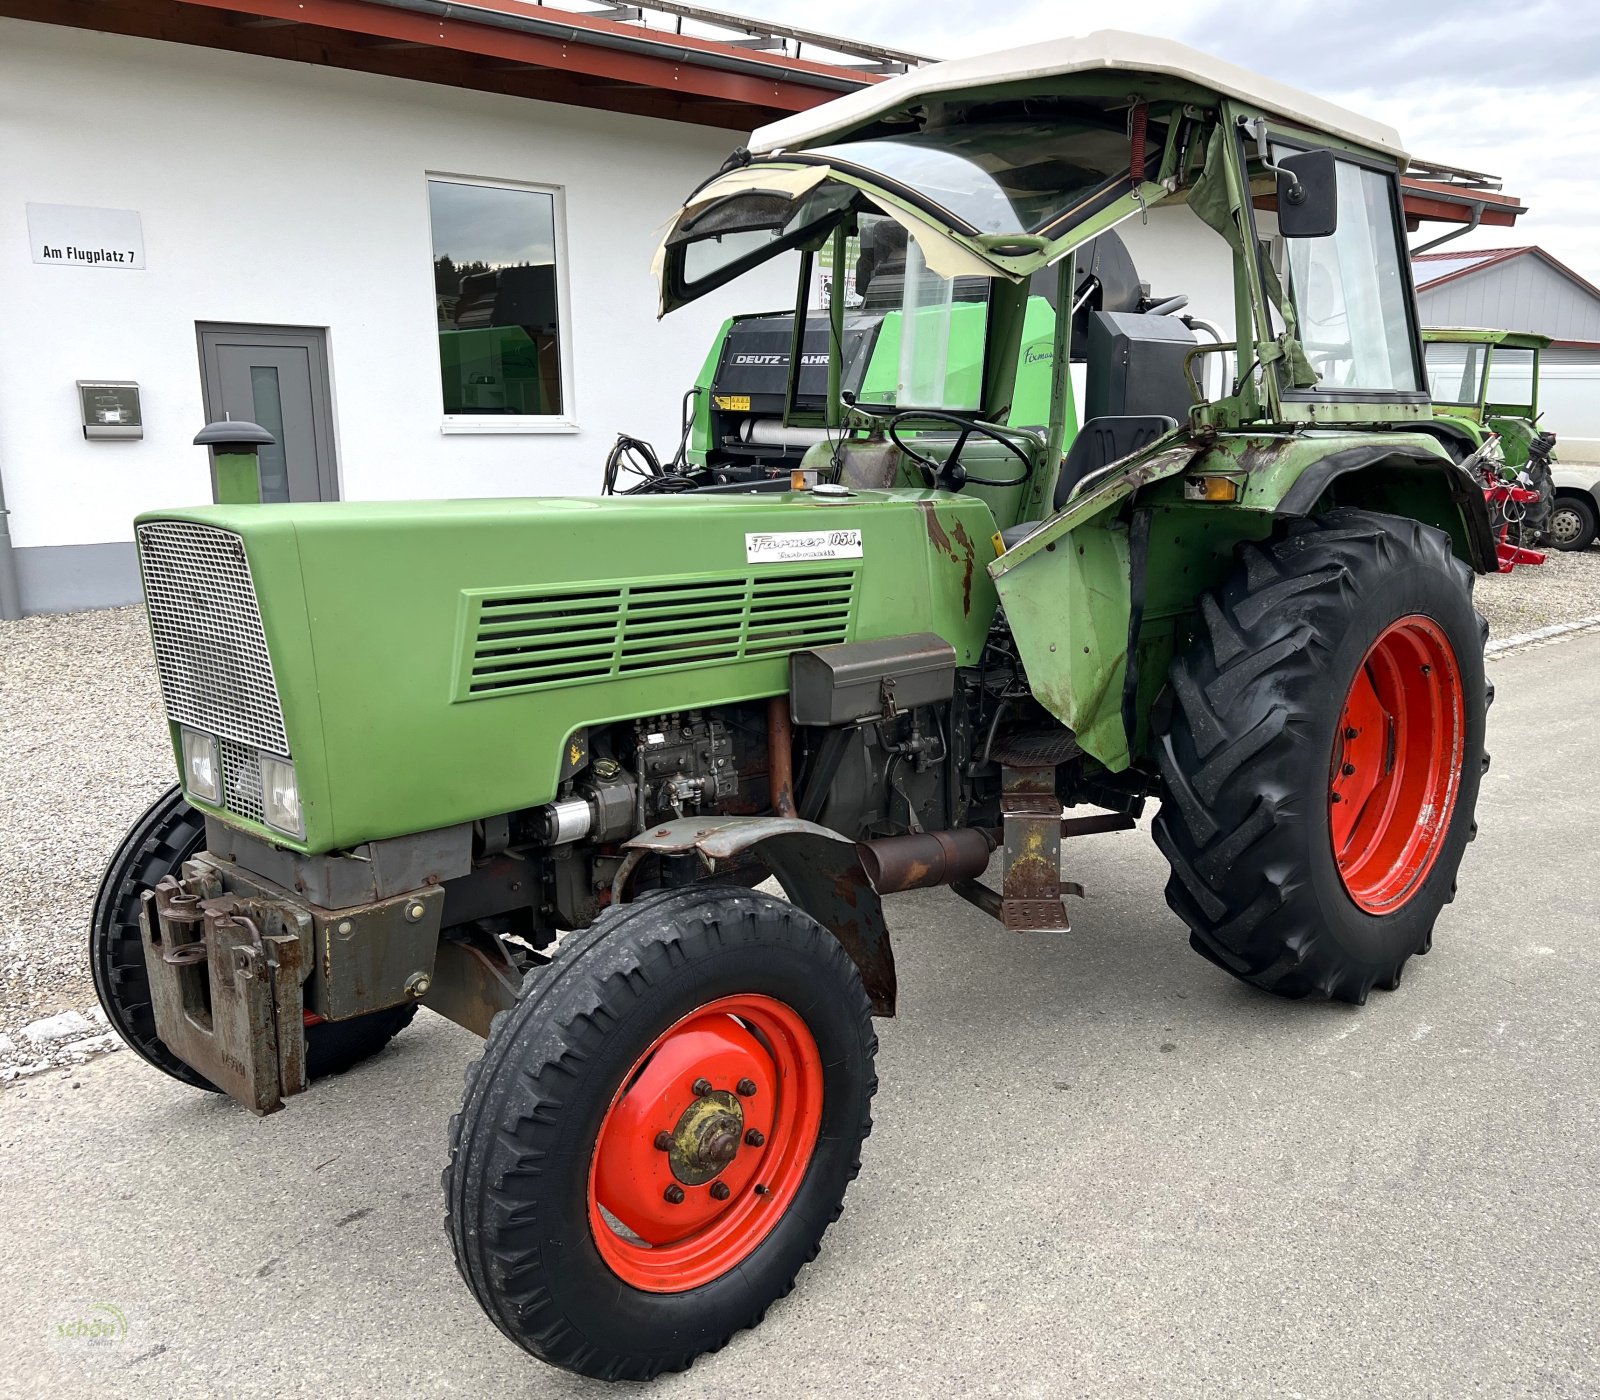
column 495, row 279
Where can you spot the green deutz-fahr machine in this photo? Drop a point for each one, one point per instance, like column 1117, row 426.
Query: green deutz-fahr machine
column 527, row 763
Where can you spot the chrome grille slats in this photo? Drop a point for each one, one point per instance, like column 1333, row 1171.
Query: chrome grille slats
column 211, row 651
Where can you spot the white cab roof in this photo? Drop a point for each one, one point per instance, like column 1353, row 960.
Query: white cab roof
column 1111, row 50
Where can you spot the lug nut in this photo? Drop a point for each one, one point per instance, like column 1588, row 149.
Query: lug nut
column 1349, row 769
column 719, row 1191
column 673, row 1195
column 701, row 1087
column 747, row 1087
column 1352, row 734
column 755, row 1137
column 663, row 1142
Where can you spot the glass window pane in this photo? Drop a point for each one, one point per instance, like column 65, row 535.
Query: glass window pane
column 266, row 396
column 929, row 348
column 1000, row 176
column 1510, row 376
column 1349, row 291
column 1455, row 370
column 494, row 272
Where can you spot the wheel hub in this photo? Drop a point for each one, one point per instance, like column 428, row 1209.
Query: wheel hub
column 1564, row 524
column 707, row 1137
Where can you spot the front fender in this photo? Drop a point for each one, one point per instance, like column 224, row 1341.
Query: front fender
column 819, row 870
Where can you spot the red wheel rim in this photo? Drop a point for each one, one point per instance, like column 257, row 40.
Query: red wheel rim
column 705, row 1144
column 1397, row 764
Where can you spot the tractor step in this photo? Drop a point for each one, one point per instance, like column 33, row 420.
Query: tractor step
column 1030, row 821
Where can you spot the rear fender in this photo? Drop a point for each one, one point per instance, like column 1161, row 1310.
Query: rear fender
column 1409, row 481
column 818, row 869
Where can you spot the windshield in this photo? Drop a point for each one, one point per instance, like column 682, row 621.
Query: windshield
column 1455, row 371
column 996, row 177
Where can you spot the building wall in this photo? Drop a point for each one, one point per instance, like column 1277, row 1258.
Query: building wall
column 288, row 194
column 1521, row 294
column 1569, row 401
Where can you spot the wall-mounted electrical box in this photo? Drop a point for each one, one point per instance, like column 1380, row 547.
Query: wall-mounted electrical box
column 110, row 409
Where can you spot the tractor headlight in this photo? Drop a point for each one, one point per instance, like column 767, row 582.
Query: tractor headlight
column 202, row 773
column 280, row 796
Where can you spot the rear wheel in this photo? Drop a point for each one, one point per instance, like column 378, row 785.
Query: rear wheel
column 1573, row 522
column 661, row 1130
column 169, row 833
column 1323, row 760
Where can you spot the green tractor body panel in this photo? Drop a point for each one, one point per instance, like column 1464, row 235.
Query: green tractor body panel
column 433, row 658
column 1079, row 597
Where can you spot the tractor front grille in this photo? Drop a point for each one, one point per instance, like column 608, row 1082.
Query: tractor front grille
column 531, row 639
column 211, row 652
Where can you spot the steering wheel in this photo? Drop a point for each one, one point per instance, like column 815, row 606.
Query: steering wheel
column 949, row 473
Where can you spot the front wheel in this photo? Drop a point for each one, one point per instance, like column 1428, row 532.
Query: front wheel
column 661, row 1130
column 1322, row 763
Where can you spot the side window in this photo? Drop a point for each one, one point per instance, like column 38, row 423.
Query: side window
column 495, row 283
column 1349, row 291
column 1455, row 371
column 1510, row 376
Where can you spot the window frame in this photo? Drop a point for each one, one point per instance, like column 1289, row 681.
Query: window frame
column 1287, row 393
column 492, row 424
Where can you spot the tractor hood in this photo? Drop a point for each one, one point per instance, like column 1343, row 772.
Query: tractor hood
column 423, row 664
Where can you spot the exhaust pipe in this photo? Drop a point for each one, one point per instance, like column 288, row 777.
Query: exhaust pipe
column 926, row 859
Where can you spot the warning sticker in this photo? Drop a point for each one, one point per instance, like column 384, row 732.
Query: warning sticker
column 788, row 546
column 732, row 403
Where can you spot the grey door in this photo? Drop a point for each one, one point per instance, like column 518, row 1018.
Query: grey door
column 276, row 376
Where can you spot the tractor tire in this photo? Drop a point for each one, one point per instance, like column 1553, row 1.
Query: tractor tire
column 168, row 834
column 661, row 1130
column 1321, row 766
column 1574, row 522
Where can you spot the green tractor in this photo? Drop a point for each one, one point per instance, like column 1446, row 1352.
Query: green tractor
column 530, row 763
column 1486, row 382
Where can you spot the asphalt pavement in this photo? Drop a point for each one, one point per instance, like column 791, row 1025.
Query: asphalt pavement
column 1100, row 1168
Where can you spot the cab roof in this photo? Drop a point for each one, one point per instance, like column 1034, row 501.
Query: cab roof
column 1104, row 51
column 1486, row 335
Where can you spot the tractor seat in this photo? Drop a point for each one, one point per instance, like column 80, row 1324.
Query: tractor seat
column 1100, row 442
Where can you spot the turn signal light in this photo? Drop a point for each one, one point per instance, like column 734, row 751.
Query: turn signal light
column 1210, row 488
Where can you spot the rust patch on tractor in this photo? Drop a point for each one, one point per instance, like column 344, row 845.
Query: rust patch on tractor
column 1259, row 453
column 959, row 551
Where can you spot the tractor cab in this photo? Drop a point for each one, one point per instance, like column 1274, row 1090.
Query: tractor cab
column 973, row 214
column 1489, row 379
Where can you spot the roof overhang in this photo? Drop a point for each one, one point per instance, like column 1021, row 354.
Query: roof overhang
column 1436, row 201
column 515, row 47
column 1105, row 51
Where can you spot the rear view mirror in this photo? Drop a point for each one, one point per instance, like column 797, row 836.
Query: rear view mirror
column 1308, row 195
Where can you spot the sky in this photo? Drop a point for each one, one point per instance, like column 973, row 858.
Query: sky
column 1480, row 84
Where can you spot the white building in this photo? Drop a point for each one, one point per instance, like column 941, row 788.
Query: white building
column 290, row 199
